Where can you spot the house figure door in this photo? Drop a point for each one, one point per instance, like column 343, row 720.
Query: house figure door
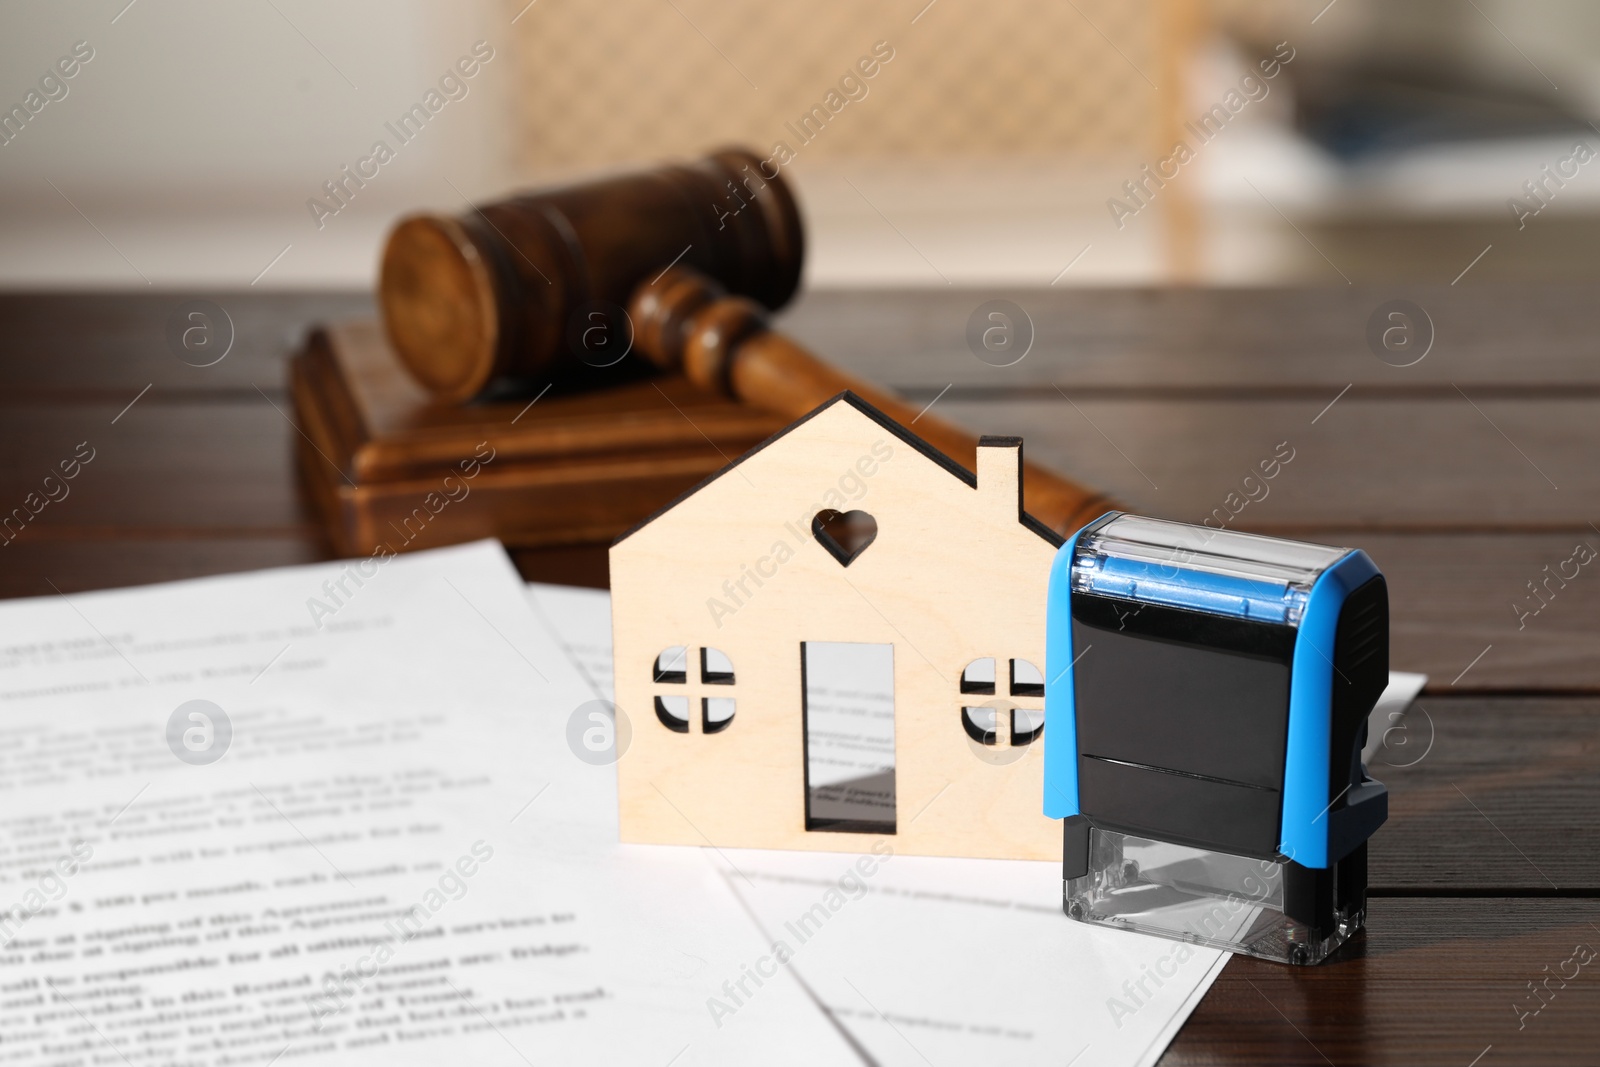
column 848, row 722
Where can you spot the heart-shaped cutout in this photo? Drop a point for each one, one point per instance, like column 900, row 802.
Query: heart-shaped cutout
column 845, row 535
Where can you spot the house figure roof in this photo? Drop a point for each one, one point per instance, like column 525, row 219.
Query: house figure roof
column 891, row 426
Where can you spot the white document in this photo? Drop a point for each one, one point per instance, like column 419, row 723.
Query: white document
column 346, row 813
column 1391, row 741
column 937, row 961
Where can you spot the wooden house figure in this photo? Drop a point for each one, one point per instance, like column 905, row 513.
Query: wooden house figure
column 765, row 637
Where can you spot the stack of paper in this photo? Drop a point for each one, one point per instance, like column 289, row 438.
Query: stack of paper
column 396, row 859
column 355, row 811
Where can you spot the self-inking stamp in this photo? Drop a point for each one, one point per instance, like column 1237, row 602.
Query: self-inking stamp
column 1207, row 697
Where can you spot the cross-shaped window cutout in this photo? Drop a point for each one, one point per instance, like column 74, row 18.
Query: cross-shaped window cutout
column 983, row 722
column 673, row 707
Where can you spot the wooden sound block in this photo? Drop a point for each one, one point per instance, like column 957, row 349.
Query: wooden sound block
column 392, row 470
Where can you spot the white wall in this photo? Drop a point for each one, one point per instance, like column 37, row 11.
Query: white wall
column 189, row 146
column 195, row 136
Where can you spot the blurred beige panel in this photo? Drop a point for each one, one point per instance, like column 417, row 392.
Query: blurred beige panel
column 1260, row 20
column 636, row 80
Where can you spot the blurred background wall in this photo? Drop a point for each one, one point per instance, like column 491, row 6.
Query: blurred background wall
column 994, row 142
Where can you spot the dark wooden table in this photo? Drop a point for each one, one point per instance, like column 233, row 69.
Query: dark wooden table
column 1465, row 476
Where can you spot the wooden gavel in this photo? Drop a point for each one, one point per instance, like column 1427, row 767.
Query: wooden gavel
column 698, row 254
column 472, row 302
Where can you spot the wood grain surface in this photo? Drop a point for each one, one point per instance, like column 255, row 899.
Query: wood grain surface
column 1487, row 874
column 1232, row 341
column 1433, row 981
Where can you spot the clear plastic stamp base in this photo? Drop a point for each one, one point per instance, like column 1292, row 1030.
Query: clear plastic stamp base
column 1271, row 909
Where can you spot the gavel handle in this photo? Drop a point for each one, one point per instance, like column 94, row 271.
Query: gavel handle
column 683, row 321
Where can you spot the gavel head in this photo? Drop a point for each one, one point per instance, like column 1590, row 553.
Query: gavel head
column 531, row 289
